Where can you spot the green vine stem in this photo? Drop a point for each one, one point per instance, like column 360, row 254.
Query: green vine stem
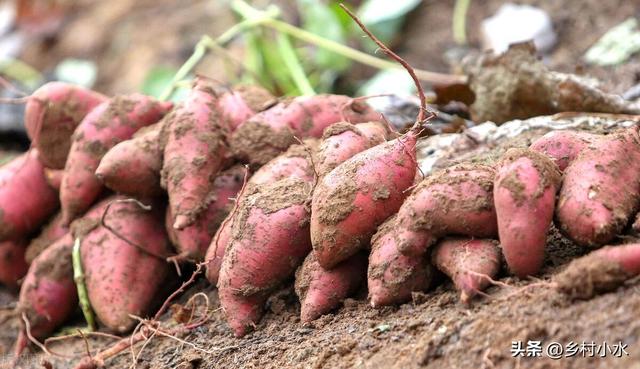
column 460, row 21
column 83, row 296
column 293, row 63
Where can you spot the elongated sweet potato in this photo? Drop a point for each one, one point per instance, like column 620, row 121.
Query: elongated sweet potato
column 454, row 201
column 294, row 163
column 108, row 124
column 343, row 140
column 52, row 232
column 52, row 114
column 26, row 200
column 271, row 132
column 193, row 241
column 392, row 277
column 600, row 271
column 194, row 154
column 241, row 103
column 466, row 261
column 132, row 167
column 12, row 263
column 563, row 146
column 524, row 196
column 321, row 290
column 123, row 277
column 270, row 238
column 48, row 295
column 601, row 189
column 352, row 200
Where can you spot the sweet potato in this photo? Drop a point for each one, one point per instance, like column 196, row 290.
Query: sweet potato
column 321, row 290
column 193, row 241
column 52, row 232
column 241, row 103
column 108, row 124
column 271, row 132
column 26, row 200
column 454, row 201
column 601, row 189
column 123, row 277
column 524, row 196
column 467, row 261
column 48, row 295
column 133, row 166
column 563, row 146
column 12, row 263
column 194, row 154
column 294, row 163
column 392, row 277
column 51, row 115
column 269, row 239
column 343, row 140
column 600, row 271
column 54, row 177
column 352, row 200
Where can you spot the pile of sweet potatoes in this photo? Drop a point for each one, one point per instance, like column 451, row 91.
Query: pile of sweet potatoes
column 261, row 193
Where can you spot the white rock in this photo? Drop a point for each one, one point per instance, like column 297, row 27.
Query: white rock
column 517, row 23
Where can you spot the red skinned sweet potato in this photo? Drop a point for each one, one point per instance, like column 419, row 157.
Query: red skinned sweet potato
column 12, row 263
column 48, row 295
column 600, row 271
column 601, row 189
column 466, row 261
column 352, row 200
column 108, row 124
column 26, row 200
column 563, row 146
column 271, row 132
column 524, row 196
column 51, row 115
column 241, row 103
column 194, row 153
column 132, row 167
column 454, row 201
column 123, row 277
column 269, row 239
column 193, row 241
column 343, row 140
column 321, row 290
column 294, row 163
column 52, row 232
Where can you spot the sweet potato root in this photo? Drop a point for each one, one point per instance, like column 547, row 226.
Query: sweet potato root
column 600, row 271
column 132, row 167
column 108, row 124
column 123, row 277
column 48, row 295
column 466, row 261
column 52, row 114
column 524, row 197
column 321, row 290
column 26, row 200
column 271, row 132
column 52, row 232
column 454, row 201
column 563, row 146
column 12, row 263
column 269, row 239
column 601, row 189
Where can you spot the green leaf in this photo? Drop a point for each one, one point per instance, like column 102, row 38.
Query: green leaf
column 617, row 45
column 20, row 71
column 157, row 80
column 388, row 81
column 320, row 19
column 384, row 18
column 77, row 71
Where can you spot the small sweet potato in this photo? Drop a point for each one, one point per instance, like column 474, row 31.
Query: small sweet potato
column 321, row 290
column 269, row 133
column 601, row 189
column 133, row 166
column 52, row 114
column 524, row 197
column 52, row 232
column 108, row 124
column 563, row 146
column 269, row 239
column 26, row 200
column 466, row 261
column 12, row 263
